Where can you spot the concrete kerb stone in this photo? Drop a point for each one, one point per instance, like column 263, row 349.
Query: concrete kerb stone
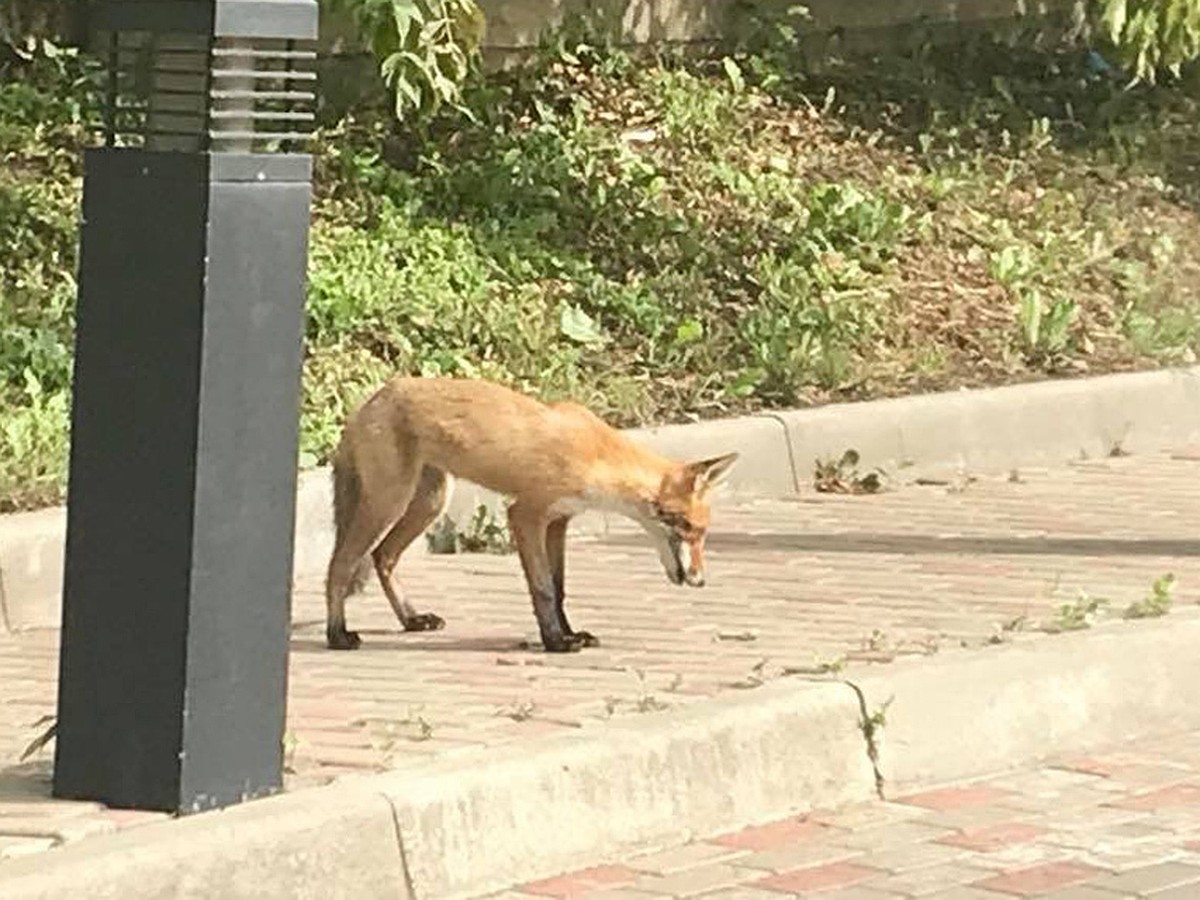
column 975, row 713
column 31, row 568
column 1001, row 428
column 460, row 828
column 641, row 782
column 324, row 844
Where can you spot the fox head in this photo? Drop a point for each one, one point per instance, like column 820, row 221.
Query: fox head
column 679, row 516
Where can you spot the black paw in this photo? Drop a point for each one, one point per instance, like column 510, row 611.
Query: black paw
column 571, row 643
column 425, row 622
column 341, row 639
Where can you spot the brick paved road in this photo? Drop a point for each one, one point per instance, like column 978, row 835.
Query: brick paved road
column 1124, row 823
column 793, row 584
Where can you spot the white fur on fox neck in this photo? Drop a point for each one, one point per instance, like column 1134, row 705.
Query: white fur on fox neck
column 676, row 557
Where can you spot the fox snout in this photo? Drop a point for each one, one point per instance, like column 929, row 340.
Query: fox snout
column 688, row 562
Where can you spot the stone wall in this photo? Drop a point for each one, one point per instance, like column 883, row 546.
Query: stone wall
column 515, row 24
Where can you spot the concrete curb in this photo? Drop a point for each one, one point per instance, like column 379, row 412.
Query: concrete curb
column 459, row 828
column 650, row 781
column 951, row 719
column 1002, row 428
column 337, row 842
column 980, row 430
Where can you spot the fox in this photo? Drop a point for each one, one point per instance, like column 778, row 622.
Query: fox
column 401, row 449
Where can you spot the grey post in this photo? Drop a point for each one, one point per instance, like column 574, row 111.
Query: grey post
column 190, row 322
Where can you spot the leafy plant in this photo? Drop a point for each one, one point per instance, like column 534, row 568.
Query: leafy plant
column 1152, row 36
column 841, row 476
column 483, row 534
column 1077, row 615
column 426, row 48
column 1157, row 603
column 686, row 237
column 1045, row 327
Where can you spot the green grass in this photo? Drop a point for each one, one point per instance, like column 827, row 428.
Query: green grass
column 677, row 238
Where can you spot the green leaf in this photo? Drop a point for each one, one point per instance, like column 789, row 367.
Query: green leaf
column 1113, row 16
column 406, row 13
column 689, row 331
column 734, row 72
column 577, row 325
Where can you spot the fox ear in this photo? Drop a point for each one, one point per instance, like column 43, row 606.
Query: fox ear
column 711, row 472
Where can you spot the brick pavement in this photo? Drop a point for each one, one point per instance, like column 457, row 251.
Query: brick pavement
column 1120, row 823
column 794, row 585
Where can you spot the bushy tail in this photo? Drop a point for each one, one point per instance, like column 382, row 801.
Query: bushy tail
column 347, row 492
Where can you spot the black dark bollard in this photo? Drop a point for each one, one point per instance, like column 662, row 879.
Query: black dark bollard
column 190, row 321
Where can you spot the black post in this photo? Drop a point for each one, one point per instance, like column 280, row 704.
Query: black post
column 190, row 322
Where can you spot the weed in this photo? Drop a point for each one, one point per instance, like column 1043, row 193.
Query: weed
column 755, row 678
column 876, row 640
column 873, row 723
column 423, row 729
column 291, row 743
column 1079, row 614
column 819, row 667
column 1157, row 603
column 842, row 477
column 1003, row 632
column 521, row 711
column 484, row 534
column 736, row 636
column 49, row 734
column 442, row 538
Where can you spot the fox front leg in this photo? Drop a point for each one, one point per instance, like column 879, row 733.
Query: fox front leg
column 556, row 547
column 529, row 533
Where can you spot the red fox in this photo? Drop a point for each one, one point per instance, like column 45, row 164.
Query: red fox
column 399, row 449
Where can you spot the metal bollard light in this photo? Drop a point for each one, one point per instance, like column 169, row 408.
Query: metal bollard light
column 184, row 431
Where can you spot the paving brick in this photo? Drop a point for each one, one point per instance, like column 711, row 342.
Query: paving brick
column 774, row 835
column 1164, row 798
column 12, row 847
column 691, row 882
column 930, row 880
column 799, row 856
column 1184, row 892
column 680, row 858
column 886, row 837
column 1039, row 879
column 993, row 837
column 866, row 815
column 956, row 798
column 69, row 829
column 741, row 892
column 855, row 893
column 1152, row 878
column 972, row 818
column 914, row 856
column 818, row 878
column 575, row 883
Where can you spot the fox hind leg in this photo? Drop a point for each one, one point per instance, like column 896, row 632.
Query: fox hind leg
column 380, row 501
column 556, row 550
column 428, row 502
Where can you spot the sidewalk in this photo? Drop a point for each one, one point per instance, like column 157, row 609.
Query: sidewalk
column 1122, row 823
column 794, row 586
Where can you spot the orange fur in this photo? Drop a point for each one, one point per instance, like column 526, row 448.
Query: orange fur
column 554, row 461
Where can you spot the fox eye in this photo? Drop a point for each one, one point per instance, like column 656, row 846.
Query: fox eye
column 674, row 521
